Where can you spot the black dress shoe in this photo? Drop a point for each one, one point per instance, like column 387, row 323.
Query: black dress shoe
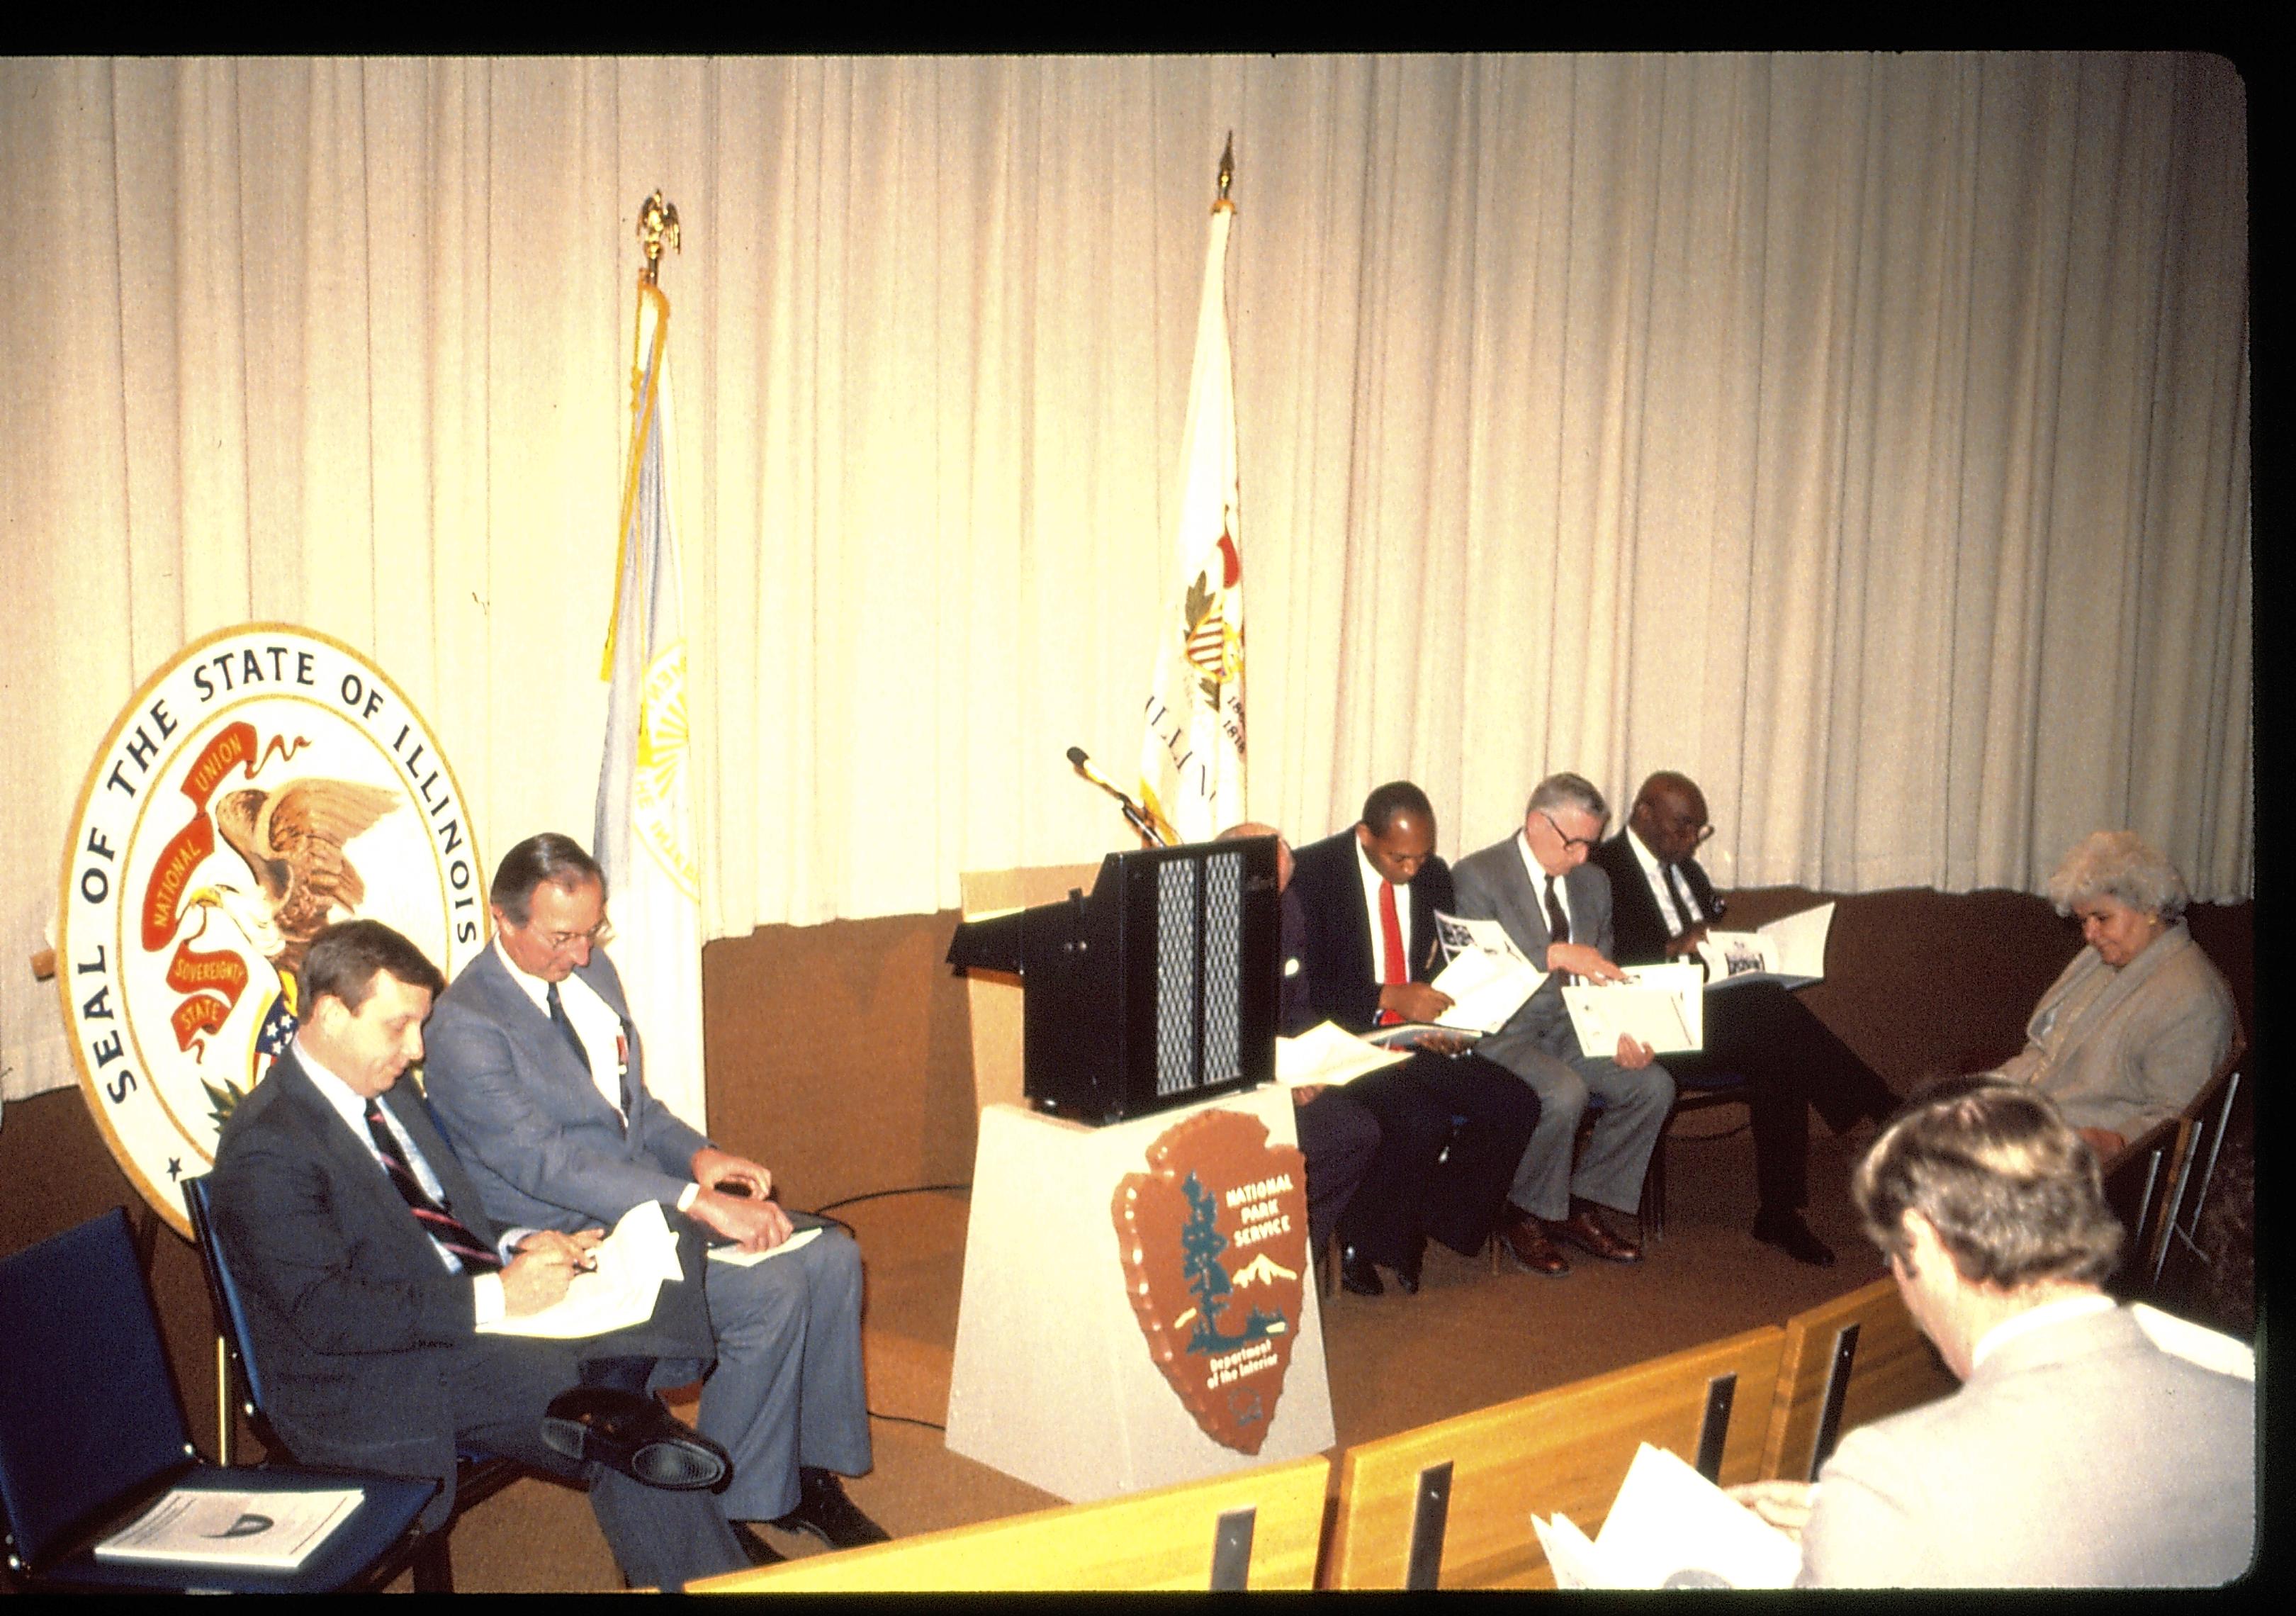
column 1357, row 1277
column 630, row 1433
column 824, row 1510
column 1787, row 1232
column 753, row 1545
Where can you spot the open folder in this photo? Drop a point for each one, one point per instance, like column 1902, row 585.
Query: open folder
column 619, row 1292
column 1670, row 1527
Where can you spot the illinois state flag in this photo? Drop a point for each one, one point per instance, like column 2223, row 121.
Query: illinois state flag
column 1192, row 753
column 644, row 839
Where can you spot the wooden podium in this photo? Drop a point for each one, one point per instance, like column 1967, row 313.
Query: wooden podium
column 1056, row 1380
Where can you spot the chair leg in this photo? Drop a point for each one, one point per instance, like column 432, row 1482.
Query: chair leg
column 434, row 1563
column 1654, row 1207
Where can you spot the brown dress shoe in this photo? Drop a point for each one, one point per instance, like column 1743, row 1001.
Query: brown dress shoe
column 1533, row 1252
column 1584, row 1230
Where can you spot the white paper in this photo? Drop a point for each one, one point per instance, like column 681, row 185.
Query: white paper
column 1686, row 982
column 734, row 1257
column 273, row 1531
column 1670, row 1524
column 1570, row 1555
column 632, row 1264
column 1602, row 1012
column 1487, row 979
column 1328, row 1053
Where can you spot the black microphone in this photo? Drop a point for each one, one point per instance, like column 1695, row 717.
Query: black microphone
column 1139, row 821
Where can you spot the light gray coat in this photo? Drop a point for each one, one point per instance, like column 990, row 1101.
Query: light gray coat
column 2146, row 1046
column 2079, row 1455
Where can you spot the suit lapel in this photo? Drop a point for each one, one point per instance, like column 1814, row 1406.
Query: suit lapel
column 379, row 1202
column 1631, row 895
column 508, row 1006
column 1520, row 907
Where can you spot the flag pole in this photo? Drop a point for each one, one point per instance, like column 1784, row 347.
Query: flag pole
column 657, row 227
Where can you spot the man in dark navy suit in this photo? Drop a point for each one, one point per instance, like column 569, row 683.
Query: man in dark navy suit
column 1661, row 904
column 369, row 1270
column 1367, row 898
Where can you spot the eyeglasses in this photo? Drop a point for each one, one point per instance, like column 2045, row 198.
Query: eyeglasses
column 596, row 937
column 1569, row 842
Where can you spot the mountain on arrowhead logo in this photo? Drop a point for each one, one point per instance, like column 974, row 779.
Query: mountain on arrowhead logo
column 1220, row 1213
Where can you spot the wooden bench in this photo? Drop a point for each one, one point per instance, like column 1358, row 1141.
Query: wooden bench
column 1846, row 1363
column 1449, row 1504
column 1256, row 1529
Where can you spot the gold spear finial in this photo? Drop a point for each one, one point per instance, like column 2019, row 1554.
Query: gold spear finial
column 1226, row 172
column 657, row 225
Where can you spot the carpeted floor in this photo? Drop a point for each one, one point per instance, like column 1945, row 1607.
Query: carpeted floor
column 1469, row 1339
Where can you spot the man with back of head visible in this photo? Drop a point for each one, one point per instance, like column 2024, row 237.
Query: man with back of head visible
column 1365, row 956
column 1661, row 904
column 2090, row 1445
column 366, row 1264
column 1556, row 908
column 539, row 1077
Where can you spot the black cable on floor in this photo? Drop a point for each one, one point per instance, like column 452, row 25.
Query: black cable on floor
column 908, row 1420
column 912, row 1189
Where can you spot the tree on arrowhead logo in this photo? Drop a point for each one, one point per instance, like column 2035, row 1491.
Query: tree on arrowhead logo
column 1213, row 1239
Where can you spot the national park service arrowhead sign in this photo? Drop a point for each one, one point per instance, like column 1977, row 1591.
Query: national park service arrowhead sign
column 266, row 782
column 1213, row 1240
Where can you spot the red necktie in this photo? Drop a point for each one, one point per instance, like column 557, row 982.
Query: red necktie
column 1390, row 936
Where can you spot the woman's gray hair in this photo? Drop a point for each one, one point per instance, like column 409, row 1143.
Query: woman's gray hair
column 2119, row 865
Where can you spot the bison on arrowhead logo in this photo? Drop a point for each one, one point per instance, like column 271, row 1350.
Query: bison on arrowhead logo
column 1214, row 1242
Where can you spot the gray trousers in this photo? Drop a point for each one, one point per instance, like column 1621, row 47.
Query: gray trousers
column 1635, row 1108
column 787, row 1389
column 498, row 1387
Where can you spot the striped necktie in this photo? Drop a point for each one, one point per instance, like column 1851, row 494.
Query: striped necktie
column 449, row 1232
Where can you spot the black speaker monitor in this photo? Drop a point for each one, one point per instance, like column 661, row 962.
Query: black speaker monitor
column 1159, row 989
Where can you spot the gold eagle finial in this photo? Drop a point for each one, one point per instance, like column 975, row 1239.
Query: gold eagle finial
column 657, row 227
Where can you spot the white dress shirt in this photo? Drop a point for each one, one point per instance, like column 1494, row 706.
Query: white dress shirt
column 1655, row 872
column 1372, row 882
column 1538, row 879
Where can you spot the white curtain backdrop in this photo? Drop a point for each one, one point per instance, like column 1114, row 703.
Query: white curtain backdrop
column 1866, row 435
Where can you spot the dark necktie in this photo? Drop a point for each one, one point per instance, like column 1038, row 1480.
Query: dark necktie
column 1558, row 923
column 1681, row 898
column 558, row 1018
column 1391, row 942
column 448, row 1231
column 566, row 1028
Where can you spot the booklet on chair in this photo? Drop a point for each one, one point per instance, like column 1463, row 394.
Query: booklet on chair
column 269, row 1530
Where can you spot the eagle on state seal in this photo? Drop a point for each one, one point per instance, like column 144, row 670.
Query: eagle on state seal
column 291, row 840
